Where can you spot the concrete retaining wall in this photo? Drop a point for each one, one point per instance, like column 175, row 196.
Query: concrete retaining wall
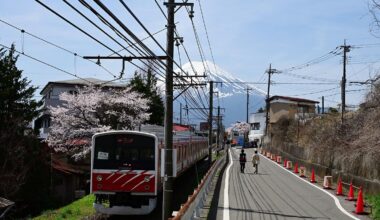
column 325, row 164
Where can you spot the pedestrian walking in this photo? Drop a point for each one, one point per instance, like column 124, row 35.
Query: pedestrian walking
column 256, row 161
column 254, row 143
column 242, row 159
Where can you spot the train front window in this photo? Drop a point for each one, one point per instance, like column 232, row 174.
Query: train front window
column 124, row 152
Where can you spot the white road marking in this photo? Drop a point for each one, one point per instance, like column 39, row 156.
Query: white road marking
column 337, row 203
column 226, row 204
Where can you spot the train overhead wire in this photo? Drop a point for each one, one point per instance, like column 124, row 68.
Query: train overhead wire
column 47, row 64
column 56, row 45
column 131, row 44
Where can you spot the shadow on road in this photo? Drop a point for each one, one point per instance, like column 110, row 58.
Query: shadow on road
column 215, row 200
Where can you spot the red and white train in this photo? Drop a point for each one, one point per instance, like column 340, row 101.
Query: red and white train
column 126, row 165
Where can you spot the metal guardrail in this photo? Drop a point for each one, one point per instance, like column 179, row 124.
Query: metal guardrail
column 191, row 209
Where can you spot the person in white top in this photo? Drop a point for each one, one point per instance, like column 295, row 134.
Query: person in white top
column 256, row 161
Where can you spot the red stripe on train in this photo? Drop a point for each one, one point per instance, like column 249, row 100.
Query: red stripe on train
column 123, row 182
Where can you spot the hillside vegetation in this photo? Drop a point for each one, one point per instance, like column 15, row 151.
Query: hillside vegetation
column 351, row 148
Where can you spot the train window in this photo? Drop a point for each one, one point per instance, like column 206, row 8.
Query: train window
column 124, row 152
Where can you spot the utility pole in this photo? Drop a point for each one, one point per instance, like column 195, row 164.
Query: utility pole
column 168, row 177
column 210, row 123
column 180, row 113
column 270, row 71
column 218, row 129
column 323, row 105
column 248, row 104
column 267, row 100
column 346, row 49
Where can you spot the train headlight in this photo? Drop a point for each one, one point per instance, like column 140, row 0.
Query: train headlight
column 99, row 178
column 146, row 178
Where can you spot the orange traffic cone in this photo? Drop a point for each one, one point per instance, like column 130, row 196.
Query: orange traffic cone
column 351, row 196
column 273, row 157
column 312, row 179
column 360, row 203
column 285, row 161
column 339, row 190
column 296, row 168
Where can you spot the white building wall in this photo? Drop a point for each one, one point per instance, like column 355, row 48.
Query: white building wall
column 254, row 119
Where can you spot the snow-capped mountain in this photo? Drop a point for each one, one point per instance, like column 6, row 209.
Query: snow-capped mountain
column 230, row 84
column 231, row 94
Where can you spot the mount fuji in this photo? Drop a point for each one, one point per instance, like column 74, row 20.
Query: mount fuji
column 230, row 93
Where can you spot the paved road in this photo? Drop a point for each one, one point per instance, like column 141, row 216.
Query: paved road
column 274, row 193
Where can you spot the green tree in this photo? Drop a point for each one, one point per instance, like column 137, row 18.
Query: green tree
column 146, row 83
column 16, row 106
column 260, row 110
column 20, row 150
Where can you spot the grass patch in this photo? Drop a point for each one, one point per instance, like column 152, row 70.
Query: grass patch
column 216, row 156
column 77, row 210
column 374, row 200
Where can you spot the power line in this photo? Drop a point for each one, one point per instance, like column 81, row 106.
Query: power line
column 279, row 83
column 314, row 61
column 199, row 45
column 133, row 36
column 177, row 36
column 74, row 25
column 354, row 90
column 207, row 36
column 316, row 92
column 143, row 39
column 55, row 45
column 47, row 64
column 308, row 77
column 121, row 35
column 366, row 45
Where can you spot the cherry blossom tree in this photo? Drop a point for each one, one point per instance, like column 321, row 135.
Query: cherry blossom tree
column 93, row 110
column 241, row 127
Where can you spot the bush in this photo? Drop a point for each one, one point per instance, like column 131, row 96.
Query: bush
column 374, row 200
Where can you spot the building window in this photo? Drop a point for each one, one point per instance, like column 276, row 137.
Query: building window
column 50, row 94
column 256, row 126
column 303, row 109
column 73, row 92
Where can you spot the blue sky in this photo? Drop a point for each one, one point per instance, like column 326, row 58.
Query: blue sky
column 246, row 36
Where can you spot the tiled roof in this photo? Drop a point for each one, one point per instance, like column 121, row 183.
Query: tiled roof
column 292, row 99
column 82, row 82
column 61, row 165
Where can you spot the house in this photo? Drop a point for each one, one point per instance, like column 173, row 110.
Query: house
column 257, row 122
column 50, row 97
column 291, row 108
column 69, row 181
